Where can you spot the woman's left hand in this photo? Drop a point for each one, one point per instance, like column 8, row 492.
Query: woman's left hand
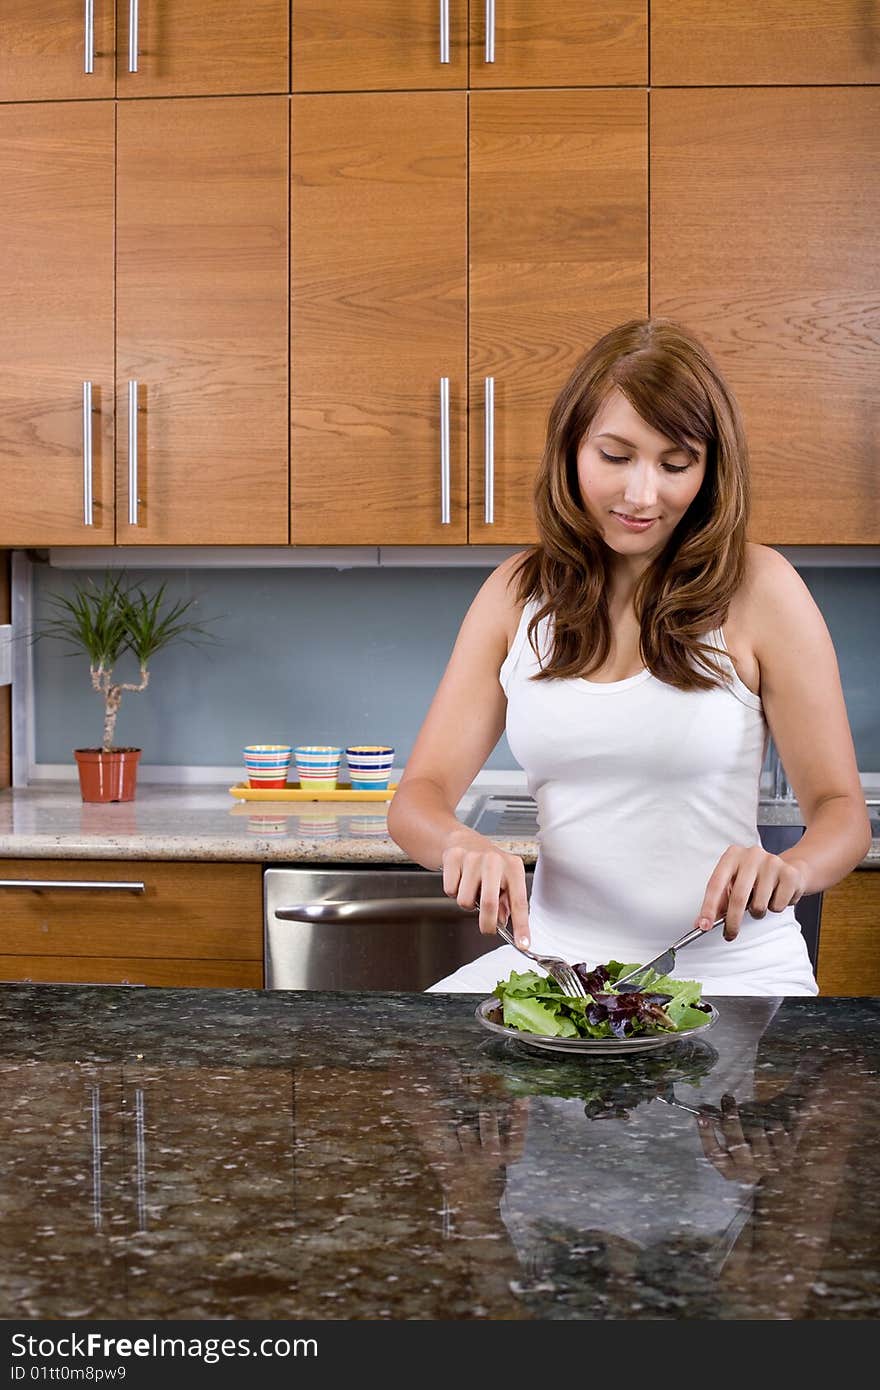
column 749, row 879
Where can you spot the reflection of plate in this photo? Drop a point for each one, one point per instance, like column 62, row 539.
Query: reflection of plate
column 489, row 1014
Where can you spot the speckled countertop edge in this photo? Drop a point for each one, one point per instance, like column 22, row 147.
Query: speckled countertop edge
column 50, row 821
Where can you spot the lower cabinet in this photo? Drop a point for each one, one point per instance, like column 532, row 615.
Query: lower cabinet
column 849, row 950
column 131, row 922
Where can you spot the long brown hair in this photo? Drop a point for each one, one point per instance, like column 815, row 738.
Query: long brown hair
column 671, row 381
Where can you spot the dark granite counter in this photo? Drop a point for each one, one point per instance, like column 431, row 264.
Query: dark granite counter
column 187, row 1154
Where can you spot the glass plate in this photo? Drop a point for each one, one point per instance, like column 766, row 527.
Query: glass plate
column 608, row 1047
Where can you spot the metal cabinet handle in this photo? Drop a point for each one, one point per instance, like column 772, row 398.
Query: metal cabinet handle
column 444, row 31
column 489, row 450
column 89, row 45
column 88, row 512
column 132, row 453
column 132, row 35
column 373, row 910
column 444, row 452
column 490, row 31
column 42, row 883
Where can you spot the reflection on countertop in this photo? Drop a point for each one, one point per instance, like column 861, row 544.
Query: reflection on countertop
column 261, row 1155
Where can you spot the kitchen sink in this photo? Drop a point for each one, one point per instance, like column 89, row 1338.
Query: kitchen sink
column 515, row 814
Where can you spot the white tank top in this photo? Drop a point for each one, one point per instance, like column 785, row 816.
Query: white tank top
column 640, row 787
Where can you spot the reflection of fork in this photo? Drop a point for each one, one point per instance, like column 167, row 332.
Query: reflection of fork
column 559, row 970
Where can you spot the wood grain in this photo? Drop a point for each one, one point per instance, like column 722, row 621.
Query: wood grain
column 357, row 45
column 777, row 42
column 202, row 209
column 56, row 323
column 764, row 210
column 188, row 911
column 849, row 939
column 558, row 255
column 202, row 48
column 42, row 50
column 566, row 44
column 378, row 316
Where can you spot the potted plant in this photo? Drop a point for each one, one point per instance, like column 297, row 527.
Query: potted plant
column 106, row 619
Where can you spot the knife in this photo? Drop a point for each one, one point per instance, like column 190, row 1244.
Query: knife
column 662, row 964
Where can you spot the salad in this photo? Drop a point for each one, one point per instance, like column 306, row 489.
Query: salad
column 536, row 1004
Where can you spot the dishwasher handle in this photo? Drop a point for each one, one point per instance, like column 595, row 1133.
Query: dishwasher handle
column 371, row 910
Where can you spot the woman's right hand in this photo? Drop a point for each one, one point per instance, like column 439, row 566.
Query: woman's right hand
column 479, row 874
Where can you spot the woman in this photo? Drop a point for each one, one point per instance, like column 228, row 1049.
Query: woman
column 638, row 656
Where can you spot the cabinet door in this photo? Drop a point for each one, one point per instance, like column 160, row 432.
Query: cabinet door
column 776, row 42
column 201, row 48
column 849, row 957
column 379, row 319
column 191, row 924
column 50, row 52
column 384, row 45
column 529, row 43
column 764, row 213
column 202, row 195
column 558, row 255
column 56, row 323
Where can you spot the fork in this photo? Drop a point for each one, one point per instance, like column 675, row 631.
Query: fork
column 559, row 970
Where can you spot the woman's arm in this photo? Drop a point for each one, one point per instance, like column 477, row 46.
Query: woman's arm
column 462, row 726
column 805, row 710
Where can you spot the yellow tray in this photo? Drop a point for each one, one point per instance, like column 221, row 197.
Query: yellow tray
column 294, row 792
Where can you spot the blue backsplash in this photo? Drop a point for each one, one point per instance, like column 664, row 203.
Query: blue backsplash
column 350, row 656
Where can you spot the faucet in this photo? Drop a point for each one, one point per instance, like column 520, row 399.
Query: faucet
column 781, row 791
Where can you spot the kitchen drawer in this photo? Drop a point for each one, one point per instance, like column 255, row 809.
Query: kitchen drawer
column 173, row 924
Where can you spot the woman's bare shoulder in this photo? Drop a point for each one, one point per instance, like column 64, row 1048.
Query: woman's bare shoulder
column 772, row 598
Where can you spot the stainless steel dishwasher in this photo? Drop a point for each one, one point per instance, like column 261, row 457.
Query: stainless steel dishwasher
column 364, row 927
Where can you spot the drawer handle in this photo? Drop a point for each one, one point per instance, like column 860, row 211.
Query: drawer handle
column 40, row 883
column 373, row 910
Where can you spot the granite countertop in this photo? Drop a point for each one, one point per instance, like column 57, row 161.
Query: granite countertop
column 49, row 821
column 213, row 1154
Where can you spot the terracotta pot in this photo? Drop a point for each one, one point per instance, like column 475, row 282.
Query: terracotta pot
column 110, row 776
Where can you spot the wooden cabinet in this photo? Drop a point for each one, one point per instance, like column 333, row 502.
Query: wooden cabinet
column 48, row 52
column 202, row 48
column 379, row 319
column 849, row 940
column 202, row 263
column 563, row 44
column 764, row 209
column 196, row 195
column 56, row 324
column 558, row 254
column 66, row 49
column 554, row 215
column 777, row 42
column 395, row 45
column 378, row 45
column 179, row 924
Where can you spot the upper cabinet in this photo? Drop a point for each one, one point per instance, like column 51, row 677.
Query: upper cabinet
column 394, row 45
column 529, row 43
column 558, row 220
column 545, row 239
column 695, row 43
column 201, row 321
column 57, row 50
column 56, row 323
column 53, row 50
column 381, row 45
column 379, row 319
column 766, row 246
column 201, row 47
